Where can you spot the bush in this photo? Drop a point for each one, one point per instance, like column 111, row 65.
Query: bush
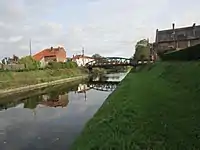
column 62, row 65
column 190, row 53
column 30, row 63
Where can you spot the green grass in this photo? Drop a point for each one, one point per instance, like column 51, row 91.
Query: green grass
column 157, row 108
column 17, row 79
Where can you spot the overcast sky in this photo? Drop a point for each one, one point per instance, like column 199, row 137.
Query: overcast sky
column 107, row 27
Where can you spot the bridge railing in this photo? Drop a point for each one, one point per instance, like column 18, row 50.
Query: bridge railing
column 109, row 61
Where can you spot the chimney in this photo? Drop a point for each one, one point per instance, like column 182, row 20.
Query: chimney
column 51, row 48
column 194, row 30
column 173, row 26
column 156, row 35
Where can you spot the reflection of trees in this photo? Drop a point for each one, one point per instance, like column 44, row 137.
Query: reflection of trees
column 56, row 96
column 8, row 105
column 32, row 102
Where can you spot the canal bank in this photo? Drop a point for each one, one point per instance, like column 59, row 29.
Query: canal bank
column 156, row 107
column 12, row 79
column 41, row 85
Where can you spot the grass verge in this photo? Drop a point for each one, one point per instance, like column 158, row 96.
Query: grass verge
column 9, row 80
column 157, row 108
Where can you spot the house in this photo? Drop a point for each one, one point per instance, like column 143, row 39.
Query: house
column 176, row 38
column 82, row 60
column 8, row 60
column 51, row 55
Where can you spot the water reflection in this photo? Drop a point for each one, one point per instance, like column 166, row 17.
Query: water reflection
column 59, row 97
column 46, row 115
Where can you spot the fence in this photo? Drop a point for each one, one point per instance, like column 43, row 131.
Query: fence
column 12, row 67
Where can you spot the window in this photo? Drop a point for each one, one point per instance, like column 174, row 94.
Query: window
column 181, row 37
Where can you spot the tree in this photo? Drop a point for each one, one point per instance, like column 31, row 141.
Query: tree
column 4, row 61
column 96, row 56
column 29, row 63
column 142, row 50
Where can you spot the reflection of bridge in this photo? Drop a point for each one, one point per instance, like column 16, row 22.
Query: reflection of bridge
column 106, row 86
column 103, row 85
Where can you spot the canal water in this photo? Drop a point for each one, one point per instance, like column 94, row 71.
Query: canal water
column 51, row 119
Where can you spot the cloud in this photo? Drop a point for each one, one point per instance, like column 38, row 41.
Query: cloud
column 101, row 26
column 15, row 39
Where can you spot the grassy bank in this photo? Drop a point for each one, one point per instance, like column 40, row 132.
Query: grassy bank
column 156, row 108
column 10, row 80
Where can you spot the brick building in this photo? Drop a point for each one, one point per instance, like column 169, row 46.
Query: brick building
column 176, row 38
column 51, row 55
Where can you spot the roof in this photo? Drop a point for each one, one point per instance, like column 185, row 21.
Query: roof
column 81, row 56
column 47, row 52
column 184, row 33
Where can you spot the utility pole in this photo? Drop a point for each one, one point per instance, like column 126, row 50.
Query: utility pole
column 30, row 47
column 83, row 51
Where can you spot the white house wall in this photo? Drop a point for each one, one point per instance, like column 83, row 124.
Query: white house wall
column 83, row 61
column 42, row 63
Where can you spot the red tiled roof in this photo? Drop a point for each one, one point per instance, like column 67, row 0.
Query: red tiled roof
column 47, row 52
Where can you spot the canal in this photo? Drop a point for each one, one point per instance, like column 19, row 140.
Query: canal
column 52, row 118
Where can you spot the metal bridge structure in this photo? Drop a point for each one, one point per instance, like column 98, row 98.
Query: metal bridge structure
column 109, row 62
column 103, row 86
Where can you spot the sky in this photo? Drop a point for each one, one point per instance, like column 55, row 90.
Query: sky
column 106, row 27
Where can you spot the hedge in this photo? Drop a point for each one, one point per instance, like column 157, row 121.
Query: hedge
column 190, row 53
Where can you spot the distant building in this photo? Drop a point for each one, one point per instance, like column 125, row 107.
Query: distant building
column 51, row 55
column 8, row 60
column 82, row 60
column 176, row 38
column 11, row 64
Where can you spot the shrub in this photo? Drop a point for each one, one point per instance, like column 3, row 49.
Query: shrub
column 62, row 65
column 190, row 53
column 30, row 63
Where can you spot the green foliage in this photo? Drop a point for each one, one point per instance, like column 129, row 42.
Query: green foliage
column 191, row 53
column 96, row 56
column 98, row 71
column 30, row 63
column 62, row 65
column 142, row 50
column 18, row 79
